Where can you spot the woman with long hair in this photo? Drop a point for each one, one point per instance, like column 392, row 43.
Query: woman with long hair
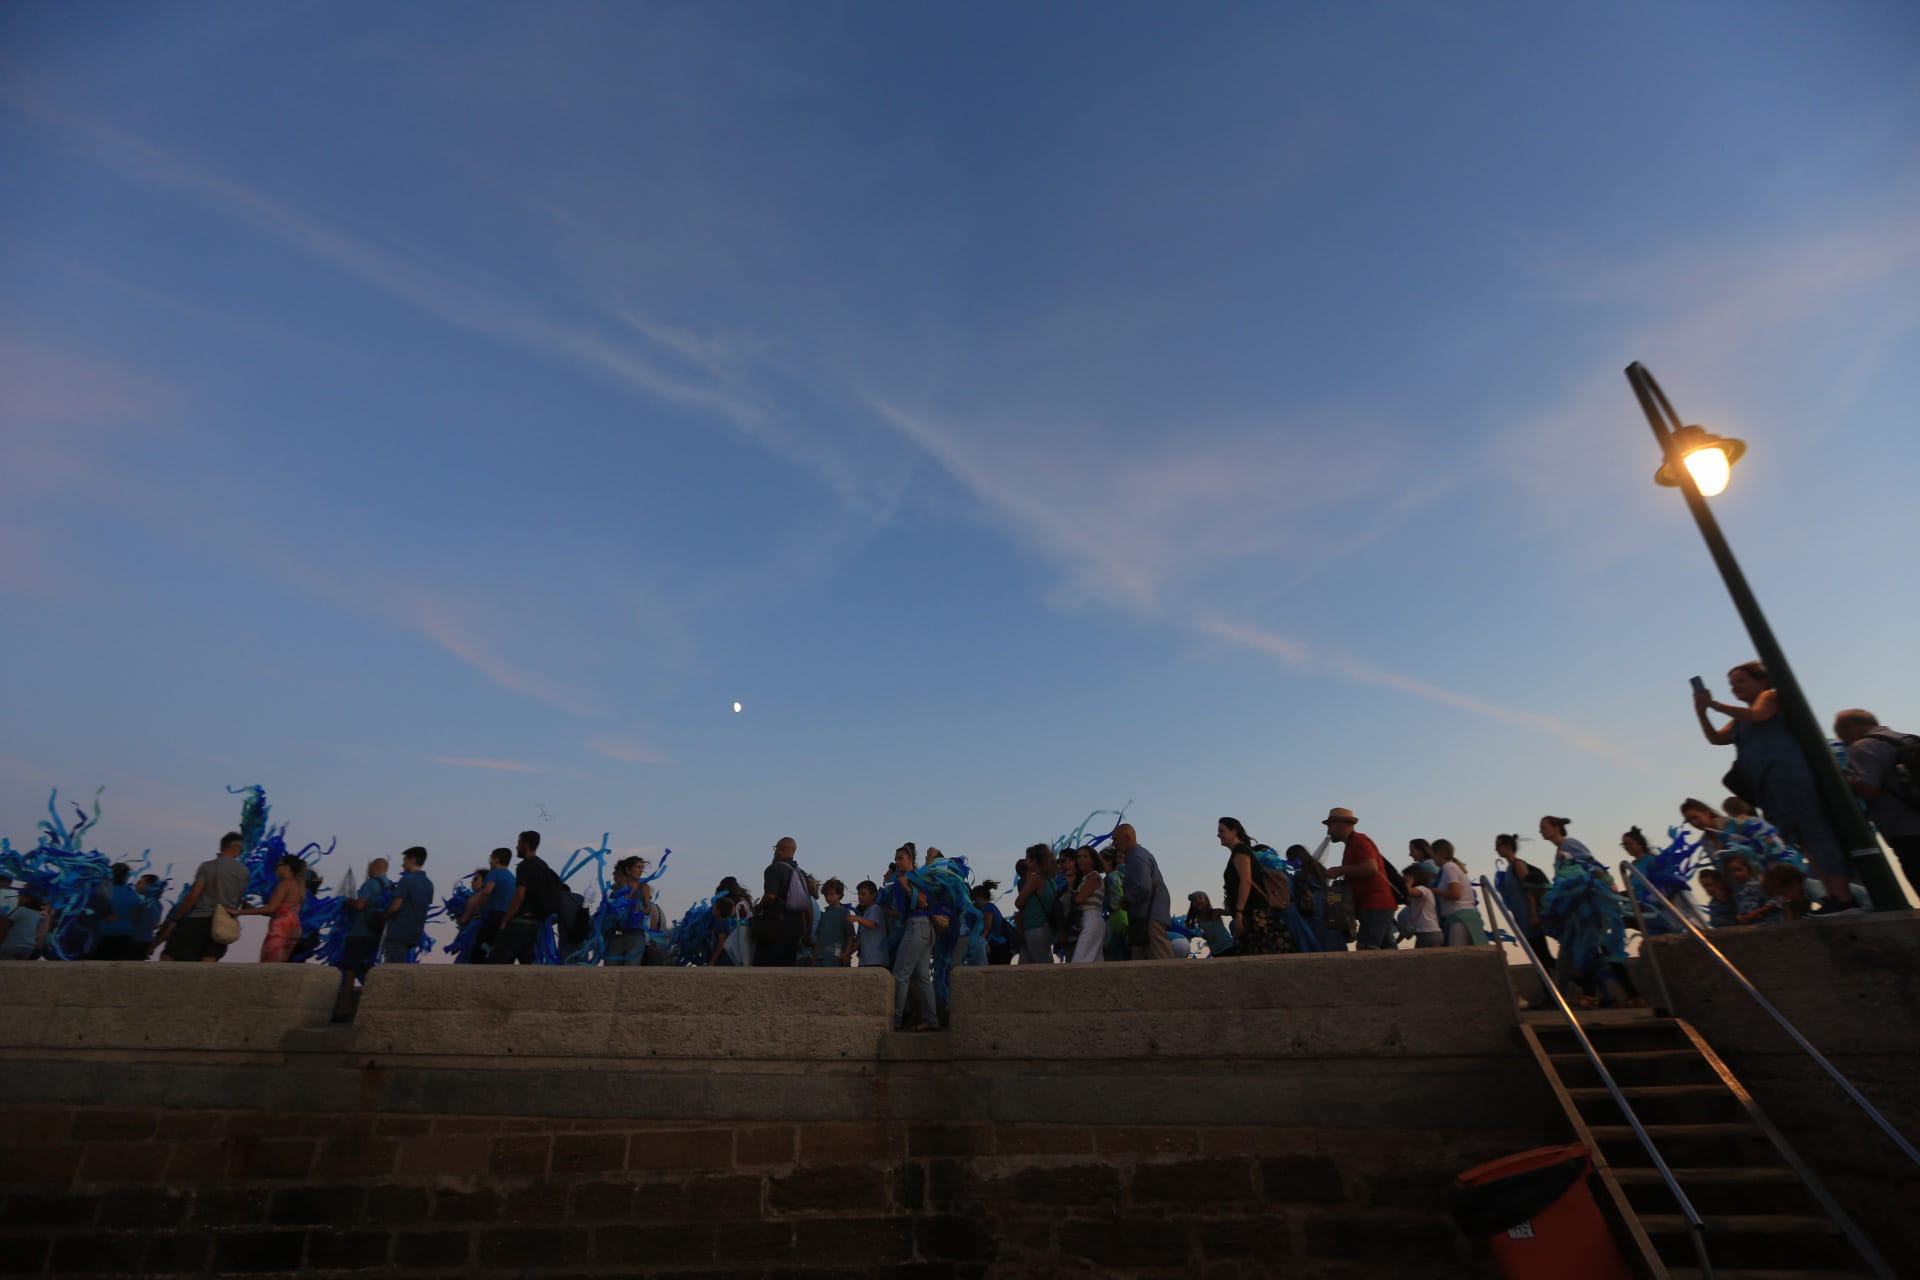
column 1771, row 771
column 1458, row 900
column 1258, row 929
column 1521, row 886
column 1033, row 906
column 282, row 910
column 1090, row 907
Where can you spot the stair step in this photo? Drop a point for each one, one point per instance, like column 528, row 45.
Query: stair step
column 1693, row 1103
column 1636, row 1067
column 1623, row 1132
column 1780, row 1175
column 1635, row 1092
column 1745, row 1224
column 1701, row 1145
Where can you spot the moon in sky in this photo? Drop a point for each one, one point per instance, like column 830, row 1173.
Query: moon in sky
column 736, row 708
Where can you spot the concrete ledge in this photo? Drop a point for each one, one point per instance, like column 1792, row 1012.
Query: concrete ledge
column 156, row 1007
column 1454, row 1001
column 420, row 1012
column 1851, row 984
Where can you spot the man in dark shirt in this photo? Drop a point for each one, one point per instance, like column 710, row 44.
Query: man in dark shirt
column 536, row 899
column 788, row 900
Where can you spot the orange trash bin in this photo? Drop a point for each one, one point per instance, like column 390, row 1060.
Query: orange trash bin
column 1536, row 1211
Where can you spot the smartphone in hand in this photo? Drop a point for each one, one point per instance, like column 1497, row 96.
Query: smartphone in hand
column 1699, row 685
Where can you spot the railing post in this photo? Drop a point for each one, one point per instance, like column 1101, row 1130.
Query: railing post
column 1653, row 957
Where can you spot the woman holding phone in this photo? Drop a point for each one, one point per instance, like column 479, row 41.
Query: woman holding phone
column 1770, row 771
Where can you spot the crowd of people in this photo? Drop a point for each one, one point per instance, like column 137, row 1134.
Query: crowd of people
column 1766, row 855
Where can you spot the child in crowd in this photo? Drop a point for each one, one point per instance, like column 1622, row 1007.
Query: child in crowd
column 1420, row 918
column 870, row 926
column 832, row 932
column 24, row 929
column 1750, row 903
column 1786, row 888
column 1721, row 912
column 1205, row 918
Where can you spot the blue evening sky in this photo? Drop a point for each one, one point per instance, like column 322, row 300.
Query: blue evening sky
column 438, row 411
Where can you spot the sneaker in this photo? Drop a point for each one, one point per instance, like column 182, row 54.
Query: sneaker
column 1828, row 907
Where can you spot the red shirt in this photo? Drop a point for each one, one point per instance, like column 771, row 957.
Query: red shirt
column 1370, row 893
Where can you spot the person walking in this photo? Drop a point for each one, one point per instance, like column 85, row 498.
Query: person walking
column 1521, row 886
column 786, row 907
column 117, row 940
column 219, row 884
column 490, row 903
column 1883, row 768
column 1257, row 927
column 530, row 912
column 1364, row 872
column 1771, row 771
column 1033, row 906
column 1458, row 901
column 913, row 957
column 1090, row 903
column 1149, row 906
column 406, row 919
column 282, row 910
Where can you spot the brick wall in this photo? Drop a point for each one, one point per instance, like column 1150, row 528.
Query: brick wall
column 152, row 1191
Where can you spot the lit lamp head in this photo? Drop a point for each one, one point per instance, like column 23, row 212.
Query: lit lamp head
column 1708, row 458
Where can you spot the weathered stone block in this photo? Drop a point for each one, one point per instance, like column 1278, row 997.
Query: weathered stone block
column 830, row 1189
column 348, row 1250
column 1208, row 1182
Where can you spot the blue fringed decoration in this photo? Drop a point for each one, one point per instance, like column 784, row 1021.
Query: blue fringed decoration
column 948, row 884
column 1078, row 836
column 452, row 908
column 70, row 879
column 1585, row 912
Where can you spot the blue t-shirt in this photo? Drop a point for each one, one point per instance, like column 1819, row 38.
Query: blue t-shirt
column 375, row 891
column 830, row 931
column 147, row 919
column 126, row 906
column 502, row 896
column 873, row 942
column 414, row 893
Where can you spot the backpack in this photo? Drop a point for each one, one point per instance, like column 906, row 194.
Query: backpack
column 1395, row 881
column 800, row 891
column 1903, row 777
column 1273, row 884
column 1059, row 912
column 575, row 923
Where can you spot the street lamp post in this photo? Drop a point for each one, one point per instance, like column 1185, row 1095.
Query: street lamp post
column 1677, row 444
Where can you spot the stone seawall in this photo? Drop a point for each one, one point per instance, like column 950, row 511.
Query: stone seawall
column 155, row 1192
column 1297, row 1116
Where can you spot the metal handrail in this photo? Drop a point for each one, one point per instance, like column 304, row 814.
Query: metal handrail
column 1845, row 1084
column 1696, row 1229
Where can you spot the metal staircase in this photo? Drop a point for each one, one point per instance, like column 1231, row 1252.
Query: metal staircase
column 1698, row 1181
column 1764, row 1216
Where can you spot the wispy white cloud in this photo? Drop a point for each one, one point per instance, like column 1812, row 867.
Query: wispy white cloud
column 497, row 766
column 1296, row 653
column 628, row 751
column 716, row 390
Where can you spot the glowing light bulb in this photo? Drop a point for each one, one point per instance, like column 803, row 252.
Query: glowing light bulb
column 1710, row 469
